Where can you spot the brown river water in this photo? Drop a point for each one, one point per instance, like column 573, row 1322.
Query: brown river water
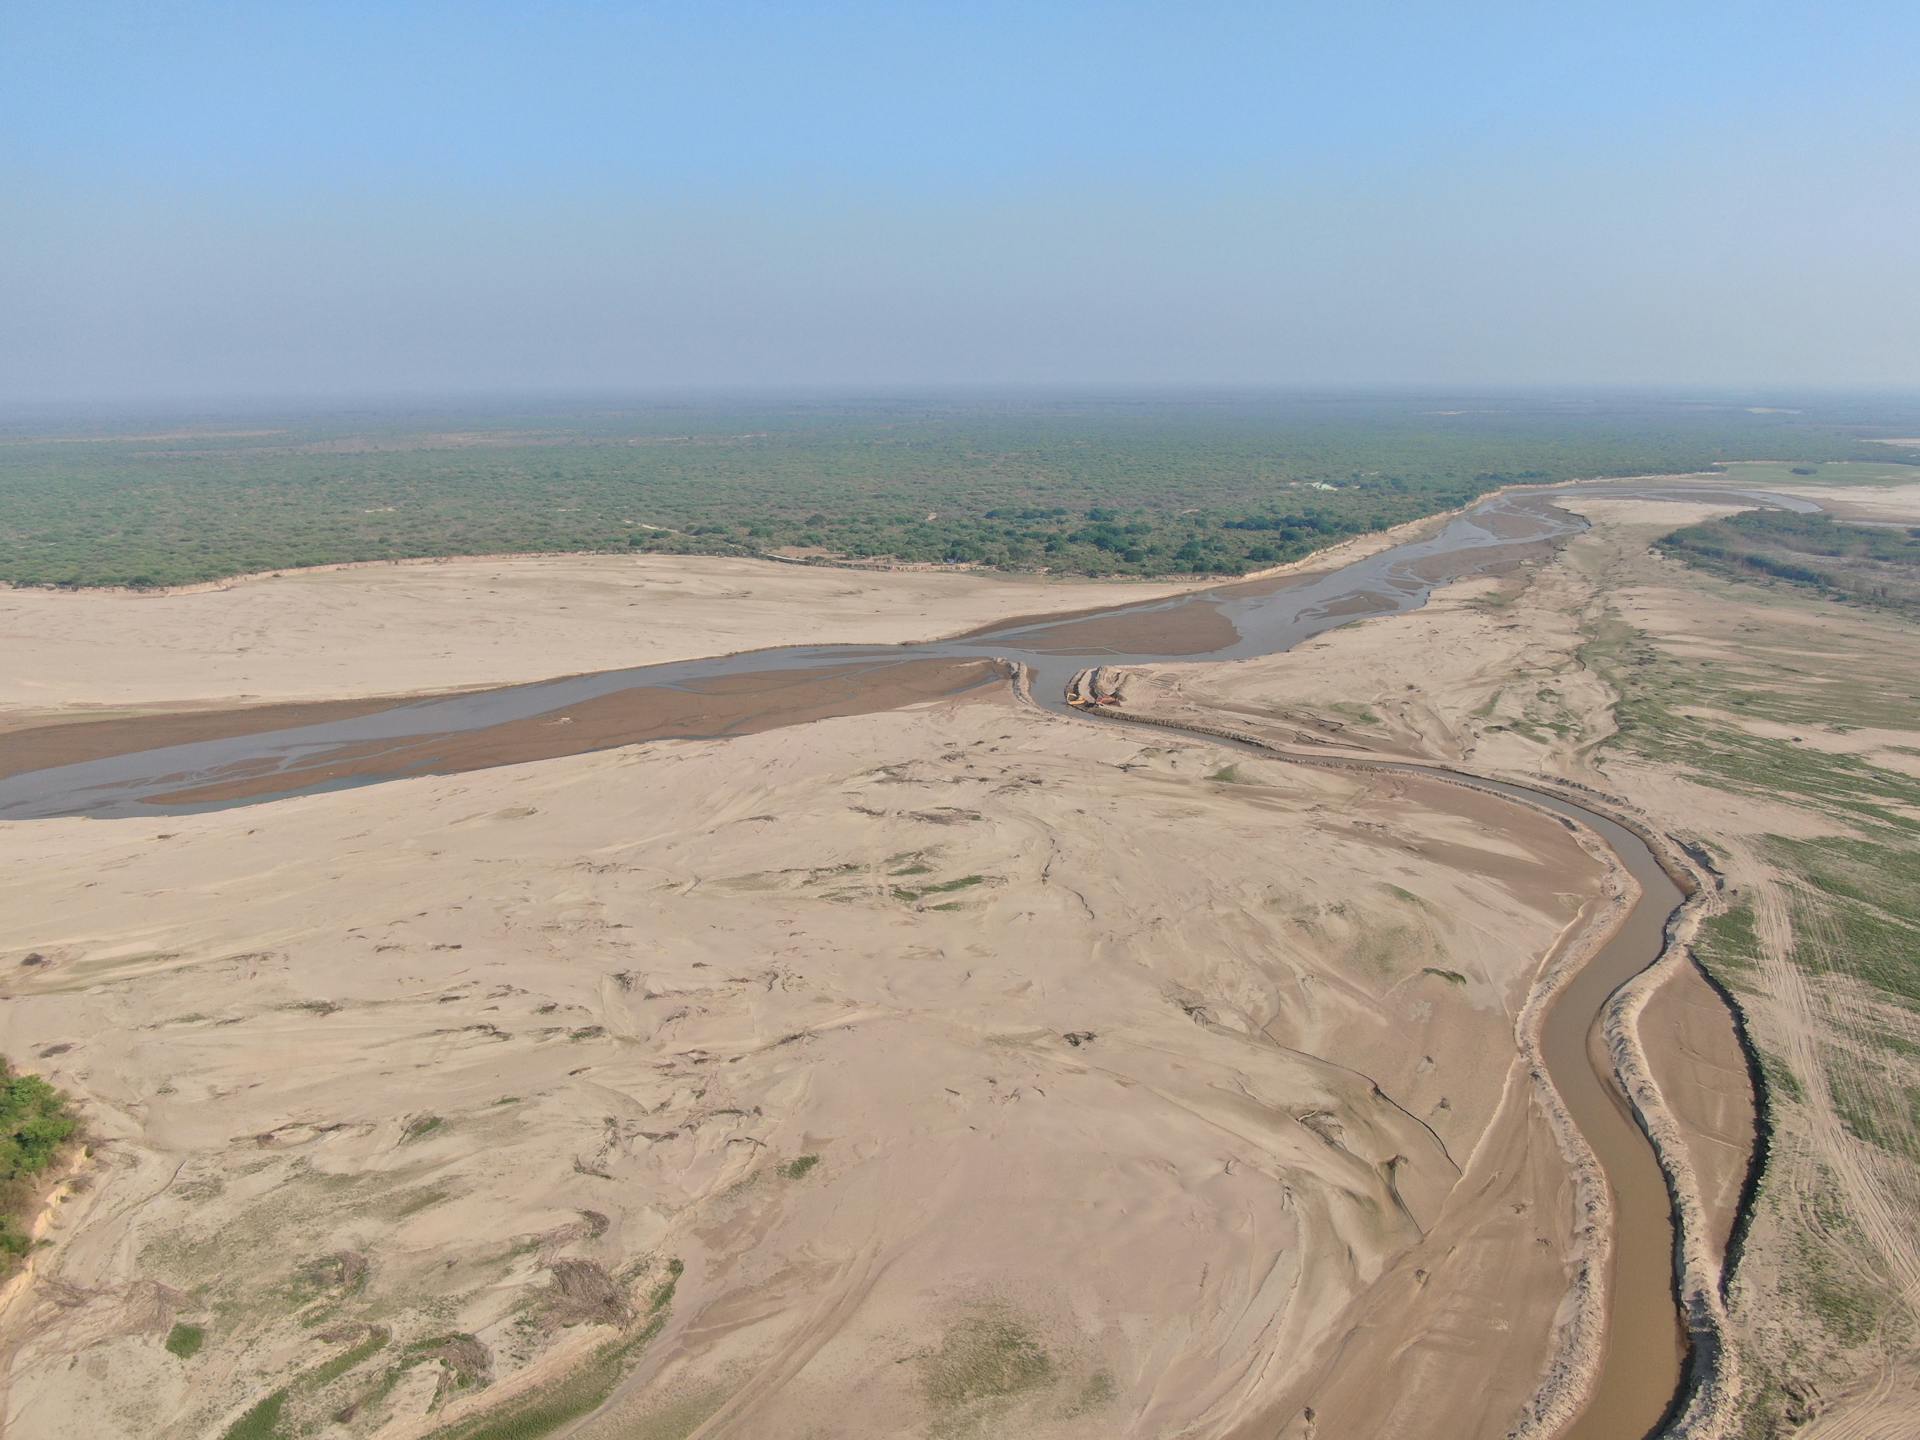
column 177, row 764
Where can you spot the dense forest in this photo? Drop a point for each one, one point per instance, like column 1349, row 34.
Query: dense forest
column 1089, row 486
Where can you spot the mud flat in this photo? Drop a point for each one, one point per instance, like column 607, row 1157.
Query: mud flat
column 740, row 704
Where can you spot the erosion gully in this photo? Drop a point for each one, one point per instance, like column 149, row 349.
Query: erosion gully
column 167, row 766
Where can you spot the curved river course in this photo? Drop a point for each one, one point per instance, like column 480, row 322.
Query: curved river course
column 175, row 765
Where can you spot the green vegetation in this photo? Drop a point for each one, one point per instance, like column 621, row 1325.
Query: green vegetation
column 1848, row 1305
column 327, row 1371
column 989, row 1356
column 1660, row 716
column 1745, row 708
column 1866, row 564
column 944, row 887
column 35, row 1125
column 794, row 1169
column 1860, row 908
column 1351, row 710
column 663, row 1292
column 462, row 1359
column 1889, row 469
column 464, row 1363
column 1727, row 942
column 1115, row 486
column 544, row 1410
column 262, row 1422
column 185, row 1340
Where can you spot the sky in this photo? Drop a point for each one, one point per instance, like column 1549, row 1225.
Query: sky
column 265, row 199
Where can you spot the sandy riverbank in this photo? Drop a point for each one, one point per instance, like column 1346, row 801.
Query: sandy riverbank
column 348, row 632
column 1037, row 995
column 340, row 632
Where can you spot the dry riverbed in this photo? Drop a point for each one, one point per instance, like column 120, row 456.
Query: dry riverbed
column 971, row 1065
column 954, row 1070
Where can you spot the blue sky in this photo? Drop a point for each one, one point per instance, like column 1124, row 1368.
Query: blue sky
column 335, row 198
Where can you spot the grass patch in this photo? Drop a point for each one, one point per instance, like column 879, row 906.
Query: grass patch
column 663, row 1292
column 1452, row 977
column 945, row 887
column 1847, row 1307
column 1358, row 714
column 185, row 1340
column 1728, row 941
column 1848, row 1315
column 463, row 1362
column 262, row 1422
column 794, row 1169
column 1226, row 775
column 1764, row 474
column 581, row 1392
column 1781, row 1077
column 1654, row 689
column 327, row 1371
column 1859, row 914
column 1098, row 1393
column 987, row 1357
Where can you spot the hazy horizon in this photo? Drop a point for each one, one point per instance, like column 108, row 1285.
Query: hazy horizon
column 432, row 201
column 557, row 403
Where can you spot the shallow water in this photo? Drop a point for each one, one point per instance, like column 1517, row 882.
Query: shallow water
column 1645, row 1345
column 1264, row 616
